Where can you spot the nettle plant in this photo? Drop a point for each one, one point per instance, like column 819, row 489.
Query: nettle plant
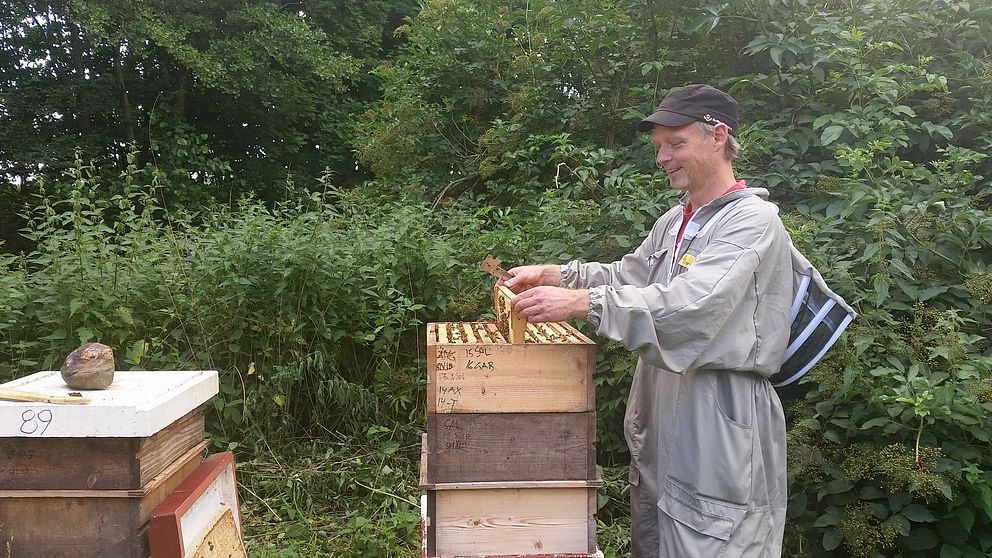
column 889, row 451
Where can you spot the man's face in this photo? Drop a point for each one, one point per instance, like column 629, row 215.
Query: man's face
column 686, row 154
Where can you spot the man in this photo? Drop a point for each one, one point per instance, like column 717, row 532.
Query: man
column 705, row 303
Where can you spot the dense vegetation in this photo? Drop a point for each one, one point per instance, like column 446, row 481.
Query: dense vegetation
column 504, row 128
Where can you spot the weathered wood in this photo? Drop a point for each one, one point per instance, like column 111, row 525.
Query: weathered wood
column 511, row 324
column 491, row 265
column 472, row 447
column 96, row 463
column 468, row 374
column 87, row 523
column 492, row 485
column 26, row 396
column 526, row 521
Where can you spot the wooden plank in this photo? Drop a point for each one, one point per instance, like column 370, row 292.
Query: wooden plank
column 431, row 526
column 557, row 332
column 511, row 521
column 427, row 539
column 593, row 508
column 474, row 447
column 155, row 453
column 492, row 485
column 510, row 323
column 95, row 463
column 88, row 523
column 11, row 395
column 507, row 378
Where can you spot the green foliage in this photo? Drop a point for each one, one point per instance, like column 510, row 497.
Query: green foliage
column 221, row 98
column 865, row 123
column 469, row 103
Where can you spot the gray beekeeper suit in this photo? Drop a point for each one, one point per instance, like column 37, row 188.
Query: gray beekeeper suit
column 705, row 428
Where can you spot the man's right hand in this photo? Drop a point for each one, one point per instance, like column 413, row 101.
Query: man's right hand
column 527, row 276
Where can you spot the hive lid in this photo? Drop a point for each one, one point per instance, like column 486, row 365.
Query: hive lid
column 138, row 404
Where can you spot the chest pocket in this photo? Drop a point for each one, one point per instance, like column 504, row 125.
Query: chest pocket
column 657, row 262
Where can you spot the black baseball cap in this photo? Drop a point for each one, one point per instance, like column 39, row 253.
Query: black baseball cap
column 692, row 103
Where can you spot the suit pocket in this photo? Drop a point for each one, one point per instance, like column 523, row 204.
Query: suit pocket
column 712, row 452
column 694, row 525
column 656, row 263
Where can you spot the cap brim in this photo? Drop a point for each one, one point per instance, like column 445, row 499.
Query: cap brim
column 664, row 118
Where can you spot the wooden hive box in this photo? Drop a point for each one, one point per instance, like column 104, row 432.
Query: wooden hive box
column 98, row 468
column 87, row 523
column 510, row 519
column 483, row 447
column 472, row 368
column 96, row 463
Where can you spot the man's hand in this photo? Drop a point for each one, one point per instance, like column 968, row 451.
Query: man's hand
column 552, row 304
column 527, row 276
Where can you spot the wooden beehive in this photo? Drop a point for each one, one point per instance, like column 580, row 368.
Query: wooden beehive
column 472, row 368
column 508, row 460
column 81, row 481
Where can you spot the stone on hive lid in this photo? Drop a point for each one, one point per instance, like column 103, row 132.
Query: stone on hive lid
column 91, row 366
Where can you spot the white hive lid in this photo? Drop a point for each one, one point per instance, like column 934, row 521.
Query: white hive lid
column 137, row 404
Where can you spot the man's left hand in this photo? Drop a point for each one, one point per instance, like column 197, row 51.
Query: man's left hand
column 552, row 304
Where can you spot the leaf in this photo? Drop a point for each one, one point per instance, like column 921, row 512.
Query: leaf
column 879, row 510
column 836, row 486
column 966, row 517
column 918, row 513
column 902, row 523
column 984, row 496
column 830, row 134
column 136, row 352
column 707, row 21
column 825, row 520
column 831, row 539
column 927, row 294
column 776, row 54
column 85, row 335
column 870, row 492
column 898, row 500
column 808, row 424
column 921, row 539
column 949, row 551
column 797, row 504
column 878, row 421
